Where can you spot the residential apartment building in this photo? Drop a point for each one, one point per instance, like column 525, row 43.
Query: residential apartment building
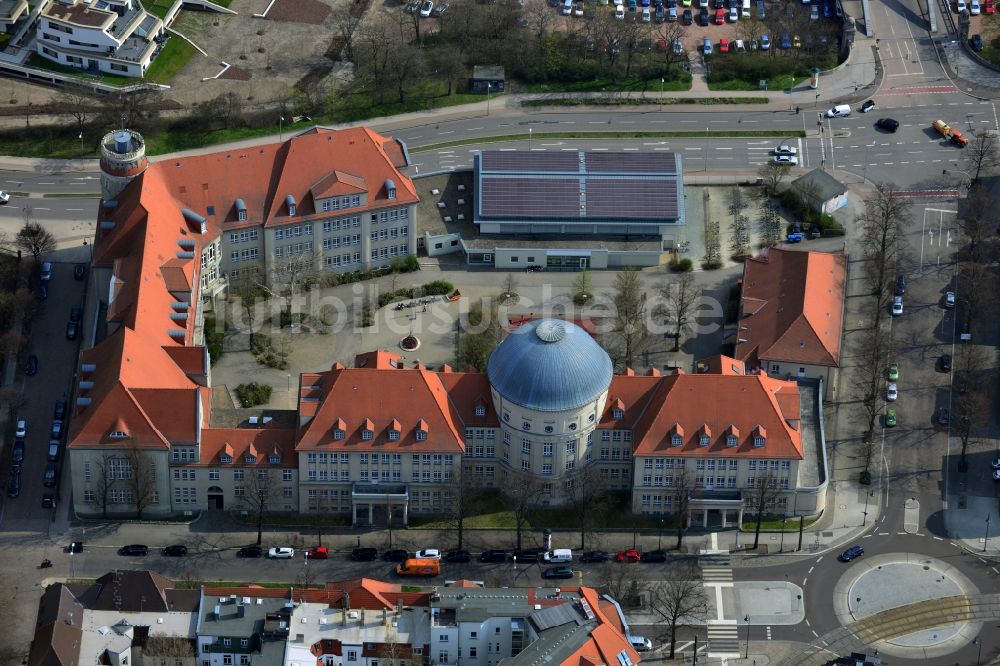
column 130, row 617
column 109, row 36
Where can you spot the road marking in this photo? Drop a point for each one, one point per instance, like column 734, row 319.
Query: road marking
column 815, row 634
column 883, row 534
column 938, row 539
column 811, row 569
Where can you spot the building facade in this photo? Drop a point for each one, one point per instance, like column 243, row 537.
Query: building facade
column 113, row 36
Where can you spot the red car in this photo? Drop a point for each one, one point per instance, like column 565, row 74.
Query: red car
column 318, row 553
column 989, row 8
column 723, row 45
column 720, row 17
column 628, row 556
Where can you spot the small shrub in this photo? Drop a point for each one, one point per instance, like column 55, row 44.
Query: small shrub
column 406, row 264
column 582, row 298
column 438, row 288
column 711, row 265
column 253, row 394
column 681, row 265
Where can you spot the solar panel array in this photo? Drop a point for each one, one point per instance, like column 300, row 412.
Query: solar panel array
column 579, row 186
column 530, row 197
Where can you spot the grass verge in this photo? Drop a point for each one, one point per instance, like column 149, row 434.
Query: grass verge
column 782, row 82
column 172, row 59
column 37, row 61
column 614, row 135
column 791, row 525
column 602, row 85
column 643, row 101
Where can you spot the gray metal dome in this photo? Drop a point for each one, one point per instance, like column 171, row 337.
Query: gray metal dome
column 549, row 365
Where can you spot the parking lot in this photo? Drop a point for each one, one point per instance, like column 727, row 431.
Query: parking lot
column 46, row 335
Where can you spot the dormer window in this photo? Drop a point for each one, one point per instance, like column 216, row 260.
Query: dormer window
column 703, row 440
column 617, row 414
column 118, row 434
column 338, row 433
column 390, row 189
column 676, row 440
column 241, row 210
column 480, row 410
column 421, row 436
column 290, row 202
column 226, row 459
column 274, row 459
column 759, row 437
column 251, row 459
column 731, row 440
column 367, row 434
column 394, row 428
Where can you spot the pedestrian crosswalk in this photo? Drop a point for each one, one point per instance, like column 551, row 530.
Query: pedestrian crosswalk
column 716, row 574
column 723, row 640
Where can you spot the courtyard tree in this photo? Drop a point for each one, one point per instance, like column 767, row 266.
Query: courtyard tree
column 629, row 328
column 78, row 101
column 583, row 288
column 587, row 492
column 761, row 499
column 347, row 20
column 679, row 294
column 769, row 224
column 480, row 331
column 869, row 380
column 141, row 477
column 621, row 583
column 982, row 156
column 678, row 600
column 249, row 290
column 979, row 220
column 684, row 485
column 522, row 491
column 103, row 482
column 771, row 175
column 461, row 498
column 260, row 494
column 33, row 238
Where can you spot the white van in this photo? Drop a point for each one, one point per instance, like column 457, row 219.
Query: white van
column 53, row 450
column 567, row 7
column 839, row 111
column 746, row 9
column 558, row 556
column 640, row 643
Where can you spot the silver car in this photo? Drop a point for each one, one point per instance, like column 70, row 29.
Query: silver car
column 281, row 553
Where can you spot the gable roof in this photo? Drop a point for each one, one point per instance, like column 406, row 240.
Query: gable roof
column 819, row 184
column 128, row 591
column 58, row 628
column 792, row 308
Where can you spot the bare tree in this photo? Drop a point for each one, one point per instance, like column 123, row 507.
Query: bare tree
column 587, row 492
column 771, row 175
column 679, row 294
column 761, row 498
column 33, row 238
column 684, row 484
column 979, row 220
column 260, row 493
column 619, row 582
column 522, row 492
column 481, row 332
column 869, row 379
column 971, row 412
column 583, row 288
column 882, row 228
column 247, row 288
column 509, row 288
column 629, row 330
column 981, row 305
column 769, row 221
column 103, row 483
column 678, row 600
column 461, row 498
column 347, row 24
column 982, row 156
column 141, row 479
column 77, row 101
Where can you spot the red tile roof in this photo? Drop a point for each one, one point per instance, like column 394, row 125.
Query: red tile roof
column 792, row 308
column 238, row 442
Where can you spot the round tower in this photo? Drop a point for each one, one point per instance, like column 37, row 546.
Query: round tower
column 123, row 158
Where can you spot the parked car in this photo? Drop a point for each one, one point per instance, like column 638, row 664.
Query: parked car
column 988, row 7
column 426, row 8
column 49, row 476
column 250, row 551
column 765, row 42
column 887, row 124
column 790, row 160
column 413, row 6
column 890, row 418
column 893, row 373
column 31, row 367
column 687, row 18
column 786, row 41
column 428, row 554
column 72, row 329
column 493, row 556
column 734, row 14
column 595, row 556
column 440, row 8
column 814, row 13
column 796, row 41
column 720, row 17
column 946, row 363
column 318, row 553
column 974, row 8
column 364, row 554
column 960, row 6
column 48, row 500
column 558, row 572
column 176, row 550
column 17, row 452
column 75, row 314
column 785, row 149
column 949, row 300
column 897, row 306
column 75, row 547
column 42, row 293
column 867, row 106
column 46, row 271
column 943, row 416
column 628, row 556
column 703, row 16
column 395, row 555
column 852, row 553
column 134, row 550
column 281, row 553
column 14, row 481
column 79, row 271
column 723, row 45
column 706, row 48
column 458, row 556
column 21, row 429
column 56, row 431
column 976, row 42
column 4, row 197
column 900, row 284
column 891, row 393
column 59, row 413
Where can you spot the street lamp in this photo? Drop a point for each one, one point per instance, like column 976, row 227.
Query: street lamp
column 964, row 173
column 746, row 619
column 281, row 128
column 979, row 655
column 530, row 130
column 659, row 538
column 986, row 540
column 488, row 87
column 781, row 548
column 661, row 87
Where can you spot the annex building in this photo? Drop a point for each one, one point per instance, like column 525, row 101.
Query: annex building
column 383, row 438
column 140, row 617
column 580, row 209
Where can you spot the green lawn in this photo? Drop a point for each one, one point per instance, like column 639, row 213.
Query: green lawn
column 780, row 82
column 603, row 85
column 157, row 7
column 170, row 60
column 791, row 525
